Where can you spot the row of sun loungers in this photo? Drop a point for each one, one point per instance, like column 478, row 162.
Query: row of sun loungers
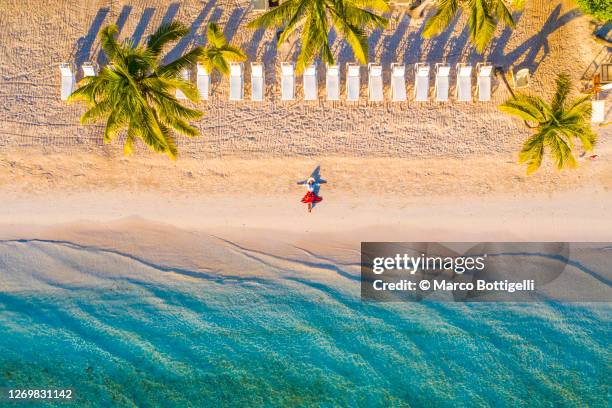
column 310, row 80
column 332, row 82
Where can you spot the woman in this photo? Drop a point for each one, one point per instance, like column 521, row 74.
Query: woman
column 311, row 196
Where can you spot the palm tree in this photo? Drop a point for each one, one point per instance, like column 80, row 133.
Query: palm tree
column 484, row 16
column 136, row 91
column 218, row 54
column 350, row 18
column 557, row 125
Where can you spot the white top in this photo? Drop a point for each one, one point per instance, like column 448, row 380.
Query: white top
column 332, row 70
column 312, row 187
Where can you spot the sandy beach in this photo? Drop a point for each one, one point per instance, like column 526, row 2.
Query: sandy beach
column 429, row 170
column 142, row 281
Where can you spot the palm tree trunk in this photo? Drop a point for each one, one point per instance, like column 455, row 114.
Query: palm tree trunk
column 500, row 70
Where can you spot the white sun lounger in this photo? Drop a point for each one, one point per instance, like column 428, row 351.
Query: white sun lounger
column 398, row 82
column 442, row 82
column 89, row 69
column 353, row 82
column 484, row 82
column 68, row 81
column 287, row 81
column 184, row 74
column 202, row 81
column 236, row 81
column 464, row 83
column 375, row 83
column 598, row 111
column 421, row 82
column 310, row 83
column 521, row 79
column 257, row 81
column 332, row 83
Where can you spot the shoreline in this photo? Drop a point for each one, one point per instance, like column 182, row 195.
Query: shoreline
column 565, row 216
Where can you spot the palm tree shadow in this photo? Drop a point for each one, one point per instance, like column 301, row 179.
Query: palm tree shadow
column 170, row 13
column 392, row 43
column 415, row 40
column 84, row 44
column 145, row 19
column 531, row 48
column 437, row 47
column 253, row 44
column 233, row 22
column 182, row 45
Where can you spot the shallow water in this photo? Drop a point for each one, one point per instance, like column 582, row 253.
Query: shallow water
column 124, row 333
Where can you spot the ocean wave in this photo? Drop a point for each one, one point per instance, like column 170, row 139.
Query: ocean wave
column 126, row 331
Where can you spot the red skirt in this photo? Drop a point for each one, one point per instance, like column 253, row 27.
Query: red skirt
column 311, row 197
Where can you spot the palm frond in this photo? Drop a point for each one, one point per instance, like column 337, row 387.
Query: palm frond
column 533, row 152
column 299, row 17
column 115, row 122
column 560, row 149
column 219, row 53
column 560, row 124
column 97, row 112
column 187, row 60
column 482, row 24
column 446, row 10
column 503, row 13
column 363, row 18
column 525, row 107
column 109, row 43
column 381, row 6
column 314, row 40
column 355, row 37
column 277, row 16
column 233, row 53
column 165, row 34
column 215, row 36
column 135, row 93
column 564, row 86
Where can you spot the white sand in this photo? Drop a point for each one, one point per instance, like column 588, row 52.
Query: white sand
column 409, row 171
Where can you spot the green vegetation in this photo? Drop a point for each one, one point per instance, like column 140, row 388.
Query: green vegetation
column 219, row 54
column 557, row 125
column 600, row 9
column 137, row 92
column 350, row 18
column 484, row 17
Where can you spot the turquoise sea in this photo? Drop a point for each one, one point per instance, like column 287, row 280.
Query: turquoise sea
column 123, row 332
